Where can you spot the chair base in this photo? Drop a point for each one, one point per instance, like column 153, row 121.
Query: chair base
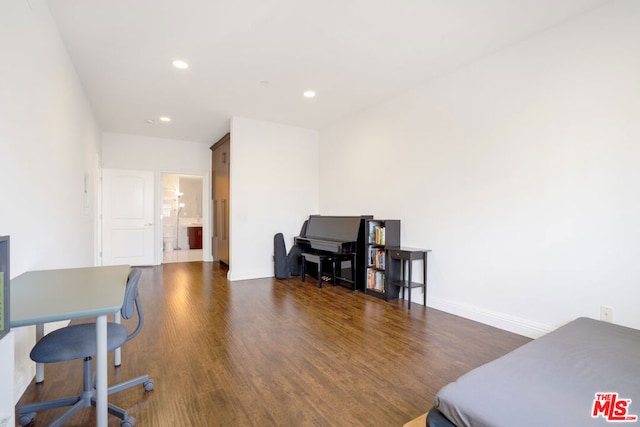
column 27, row 413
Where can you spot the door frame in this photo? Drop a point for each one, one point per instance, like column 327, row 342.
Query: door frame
column 206, row 211
column 157, row 205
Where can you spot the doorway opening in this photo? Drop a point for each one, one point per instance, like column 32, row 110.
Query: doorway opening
column 181, row 218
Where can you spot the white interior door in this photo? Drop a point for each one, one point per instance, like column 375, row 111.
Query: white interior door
column 127, row 217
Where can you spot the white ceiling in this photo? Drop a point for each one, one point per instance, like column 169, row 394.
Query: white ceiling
column 255, row 58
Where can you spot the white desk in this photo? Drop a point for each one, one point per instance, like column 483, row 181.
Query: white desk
column 39, row 297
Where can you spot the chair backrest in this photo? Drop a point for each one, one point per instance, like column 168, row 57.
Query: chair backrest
column 132, row 300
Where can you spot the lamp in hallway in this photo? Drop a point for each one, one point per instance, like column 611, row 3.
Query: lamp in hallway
column 180, row 205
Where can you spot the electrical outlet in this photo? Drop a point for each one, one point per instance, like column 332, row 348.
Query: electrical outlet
column 606, row 314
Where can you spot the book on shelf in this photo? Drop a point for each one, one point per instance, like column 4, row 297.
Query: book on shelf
column 375, row 280
column 376, row 233
column 379, row 259
column 376, row 258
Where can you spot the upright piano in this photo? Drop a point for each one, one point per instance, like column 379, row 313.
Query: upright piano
column 337, row 235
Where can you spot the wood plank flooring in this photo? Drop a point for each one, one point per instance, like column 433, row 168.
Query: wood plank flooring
column 279, row 353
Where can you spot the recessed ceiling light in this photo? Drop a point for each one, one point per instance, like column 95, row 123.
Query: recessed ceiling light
column 309, row 94
column 150, row 121
column 178, row 63
column 165, row 119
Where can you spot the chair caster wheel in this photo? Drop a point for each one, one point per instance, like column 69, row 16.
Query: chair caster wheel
column 148, row 385
column 26, row 419
column 129, row 422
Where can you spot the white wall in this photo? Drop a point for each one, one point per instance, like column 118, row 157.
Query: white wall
column 122, row 151
column 49, row 140
column 519, row 171
column 274, row 188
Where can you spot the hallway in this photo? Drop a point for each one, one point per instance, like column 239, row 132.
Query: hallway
column 182, row 256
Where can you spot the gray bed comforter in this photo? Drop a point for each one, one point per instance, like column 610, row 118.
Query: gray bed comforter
column 554, row 381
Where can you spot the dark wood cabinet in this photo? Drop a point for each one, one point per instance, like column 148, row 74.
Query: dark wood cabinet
column 220, row 188
column 195, row 237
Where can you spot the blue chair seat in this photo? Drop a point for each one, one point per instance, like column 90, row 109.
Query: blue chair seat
column 76, row 342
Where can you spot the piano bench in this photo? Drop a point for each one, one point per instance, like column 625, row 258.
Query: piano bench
column 318, row 259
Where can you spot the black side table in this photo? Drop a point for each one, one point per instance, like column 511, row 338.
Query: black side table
column 400, row 261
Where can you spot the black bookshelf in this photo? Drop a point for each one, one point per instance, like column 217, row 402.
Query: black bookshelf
column 379, row 234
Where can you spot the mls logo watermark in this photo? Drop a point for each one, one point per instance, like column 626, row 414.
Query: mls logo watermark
column 612, row 408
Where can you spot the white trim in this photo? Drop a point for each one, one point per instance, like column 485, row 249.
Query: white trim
column 493, row 318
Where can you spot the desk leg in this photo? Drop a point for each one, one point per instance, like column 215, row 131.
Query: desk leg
column 117, row 357
column 402, row 275
column 410, row 279
column 39, row 366
column 101, row 371
column 424, row 297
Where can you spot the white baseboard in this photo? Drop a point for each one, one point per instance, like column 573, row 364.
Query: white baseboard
column 232, row 276
column 499, row 320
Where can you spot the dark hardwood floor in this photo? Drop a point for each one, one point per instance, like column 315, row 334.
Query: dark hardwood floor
column 279, row 353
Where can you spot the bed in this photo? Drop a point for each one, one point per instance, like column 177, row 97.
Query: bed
column 551, row 381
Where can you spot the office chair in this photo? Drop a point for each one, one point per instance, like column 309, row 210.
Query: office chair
column 79, row 342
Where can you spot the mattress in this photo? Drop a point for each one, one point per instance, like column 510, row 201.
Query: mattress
column 585, row 373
